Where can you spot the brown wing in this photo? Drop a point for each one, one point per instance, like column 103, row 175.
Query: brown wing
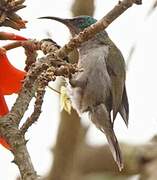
column 116, row 69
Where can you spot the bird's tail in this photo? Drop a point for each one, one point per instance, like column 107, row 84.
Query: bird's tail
column 115, row 149
column 101, row 118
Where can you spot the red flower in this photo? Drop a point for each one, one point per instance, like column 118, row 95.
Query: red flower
column 10, row 77
column 10, row 80
column 11, row 36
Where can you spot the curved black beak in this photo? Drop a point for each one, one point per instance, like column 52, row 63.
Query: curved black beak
column 66, row 22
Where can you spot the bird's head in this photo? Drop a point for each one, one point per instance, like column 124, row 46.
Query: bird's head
column 76, row 24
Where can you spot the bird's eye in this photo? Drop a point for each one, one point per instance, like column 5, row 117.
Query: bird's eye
column 81, row 20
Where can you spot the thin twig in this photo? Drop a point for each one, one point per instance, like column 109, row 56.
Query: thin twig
column 12, row 45
column 31, row 54
column 37, row 110
column 53, row 89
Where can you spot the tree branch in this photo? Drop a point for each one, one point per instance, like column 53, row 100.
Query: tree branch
column 98, row 159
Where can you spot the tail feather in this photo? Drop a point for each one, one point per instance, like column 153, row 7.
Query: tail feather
column 115, row 149
column 101, row 118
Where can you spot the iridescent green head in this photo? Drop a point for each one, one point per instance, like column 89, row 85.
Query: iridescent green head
column 82, row 22
column 75, row 24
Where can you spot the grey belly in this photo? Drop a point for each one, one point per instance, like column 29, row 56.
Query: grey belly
column 95, row 89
